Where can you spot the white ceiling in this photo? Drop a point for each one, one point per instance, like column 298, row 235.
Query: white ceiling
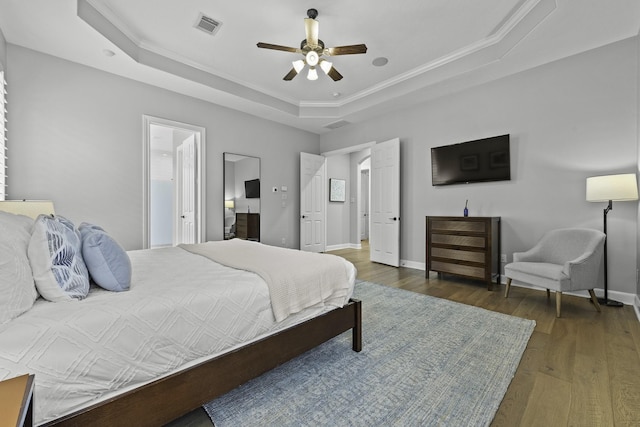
column 433, row 47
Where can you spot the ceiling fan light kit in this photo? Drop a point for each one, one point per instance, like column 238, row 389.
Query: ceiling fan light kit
column 298, row 65
column 312, row 58
column 326, row 66
column 313, row 50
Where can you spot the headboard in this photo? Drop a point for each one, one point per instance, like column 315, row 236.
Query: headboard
column 30, row 208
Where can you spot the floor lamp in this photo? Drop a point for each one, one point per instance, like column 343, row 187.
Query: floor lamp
column 610, row 188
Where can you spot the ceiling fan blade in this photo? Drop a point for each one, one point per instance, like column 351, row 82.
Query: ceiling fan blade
column 290, row 75
column 311, row 30
column 347, row 50
column 334, row 74
column 278, row 47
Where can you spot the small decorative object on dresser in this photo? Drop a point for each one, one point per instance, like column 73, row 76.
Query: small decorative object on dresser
column 464, row 246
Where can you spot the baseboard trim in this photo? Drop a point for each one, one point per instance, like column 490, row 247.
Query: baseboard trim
column 413, row 264
column 343, row 246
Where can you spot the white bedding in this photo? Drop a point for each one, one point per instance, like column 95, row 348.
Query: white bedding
column 296, row 279
column 181, row 309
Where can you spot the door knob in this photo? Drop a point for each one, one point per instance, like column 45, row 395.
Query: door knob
column 303, row 216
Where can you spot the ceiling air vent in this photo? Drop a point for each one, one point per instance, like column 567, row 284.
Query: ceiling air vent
column 338, row 124
column 208, row 25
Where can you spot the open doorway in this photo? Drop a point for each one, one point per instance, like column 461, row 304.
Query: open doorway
column 363, row 198
column 382, row 205
column 354, row 164
column 174, row 183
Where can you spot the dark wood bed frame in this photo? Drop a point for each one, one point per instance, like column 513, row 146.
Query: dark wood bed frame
column 164, row 400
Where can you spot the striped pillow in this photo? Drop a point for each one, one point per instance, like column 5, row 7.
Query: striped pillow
column 56, row 259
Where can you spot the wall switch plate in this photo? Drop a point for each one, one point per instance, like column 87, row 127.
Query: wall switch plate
column 283, row 188
column 503, row 257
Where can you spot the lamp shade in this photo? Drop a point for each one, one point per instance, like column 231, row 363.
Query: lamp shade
column 619, row 187
column 326, row 66
column 229, row 204
column 30, row 208
column 298, row 65
column 313, row 74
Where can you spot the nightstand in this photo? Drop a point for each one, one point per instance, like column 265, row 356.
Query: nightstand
column 16, row 401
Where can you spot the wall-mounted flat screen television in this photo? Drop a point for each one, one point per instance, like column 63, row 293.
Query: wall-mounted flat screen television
column 481, row 160
column 252, row 189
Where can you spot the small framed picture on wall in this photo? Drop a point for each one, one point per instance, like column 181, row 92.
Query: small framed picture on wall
column 337, row 191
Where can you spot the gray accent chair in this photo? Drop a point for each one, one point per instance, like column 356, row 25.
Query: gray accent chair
column 568, row 259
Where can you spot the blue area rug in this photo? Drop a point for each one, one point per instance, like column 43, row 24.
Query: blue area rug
column 425, row 361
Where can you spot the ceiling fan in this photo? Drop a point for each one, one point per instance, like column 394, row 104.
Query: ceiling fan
column 313, row 50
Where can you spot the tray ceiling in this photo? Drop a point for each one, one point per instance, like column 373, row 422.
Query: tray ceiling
column 432, row 47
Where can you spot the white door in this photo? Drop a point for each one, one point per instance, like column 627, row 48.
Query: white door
column 313, row 186
column 364, row 204
column 384, row 236
column 186, row 191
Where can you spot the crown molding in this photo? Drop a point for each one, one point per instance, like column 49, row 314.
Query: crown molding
column 522, row 20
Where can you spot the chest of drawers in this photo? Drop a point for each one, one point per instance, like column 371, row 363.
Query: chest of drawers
column 248, row 226
column 464, row 246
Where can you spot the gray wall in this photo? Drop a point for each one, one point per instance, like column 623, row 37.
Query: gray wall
column 338, row 213
column 568, row 120
column 3, row 52
column 75, row 136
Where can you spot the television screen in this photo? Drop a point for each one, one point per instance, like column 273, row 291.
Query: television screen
column 473, row 161
column 252, row 189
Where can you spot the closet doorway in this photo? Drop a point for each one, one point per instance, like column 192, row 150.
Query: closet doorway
column 173, row 183
column 364, row 197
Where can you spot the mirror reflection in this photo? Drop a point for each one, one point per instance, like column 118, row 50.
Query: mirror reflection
column 241, row 197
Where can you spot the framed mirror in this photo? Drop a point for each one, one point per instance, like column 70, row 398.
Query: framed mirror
column 241, row 202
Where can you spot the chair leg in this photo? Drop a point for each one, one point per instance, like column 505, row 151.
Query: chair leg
column 506, row 290
column 594, row 300
column 558, row 302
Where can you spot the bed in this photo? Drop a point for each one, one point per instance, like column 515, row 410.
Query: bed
column 188, row 330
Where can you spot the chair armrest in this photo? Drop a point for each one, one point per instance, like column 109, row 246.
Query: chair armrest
column 532, row 255
column 584, row 270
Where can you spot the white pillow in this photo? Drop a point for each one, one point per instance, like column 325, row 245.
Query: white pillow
column 56, row 259
column 17, row 290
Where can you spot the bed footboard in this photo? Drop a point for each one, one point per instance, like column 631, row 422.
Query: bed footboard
column 166, row 399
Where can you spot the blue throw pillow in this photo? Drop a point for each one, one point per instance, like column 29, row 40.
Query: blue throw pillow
column 108, row 263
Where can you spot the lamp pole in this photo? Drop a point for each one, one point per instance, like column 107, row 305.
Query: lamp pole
column 606, row 301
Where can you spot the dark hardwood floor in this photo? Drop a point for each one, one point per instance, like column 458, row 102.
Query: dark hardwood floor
column 582, row 369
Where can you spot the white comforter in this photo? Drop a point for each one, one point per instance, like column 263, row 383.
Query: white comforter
column 181, row 309
column 296, row 279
